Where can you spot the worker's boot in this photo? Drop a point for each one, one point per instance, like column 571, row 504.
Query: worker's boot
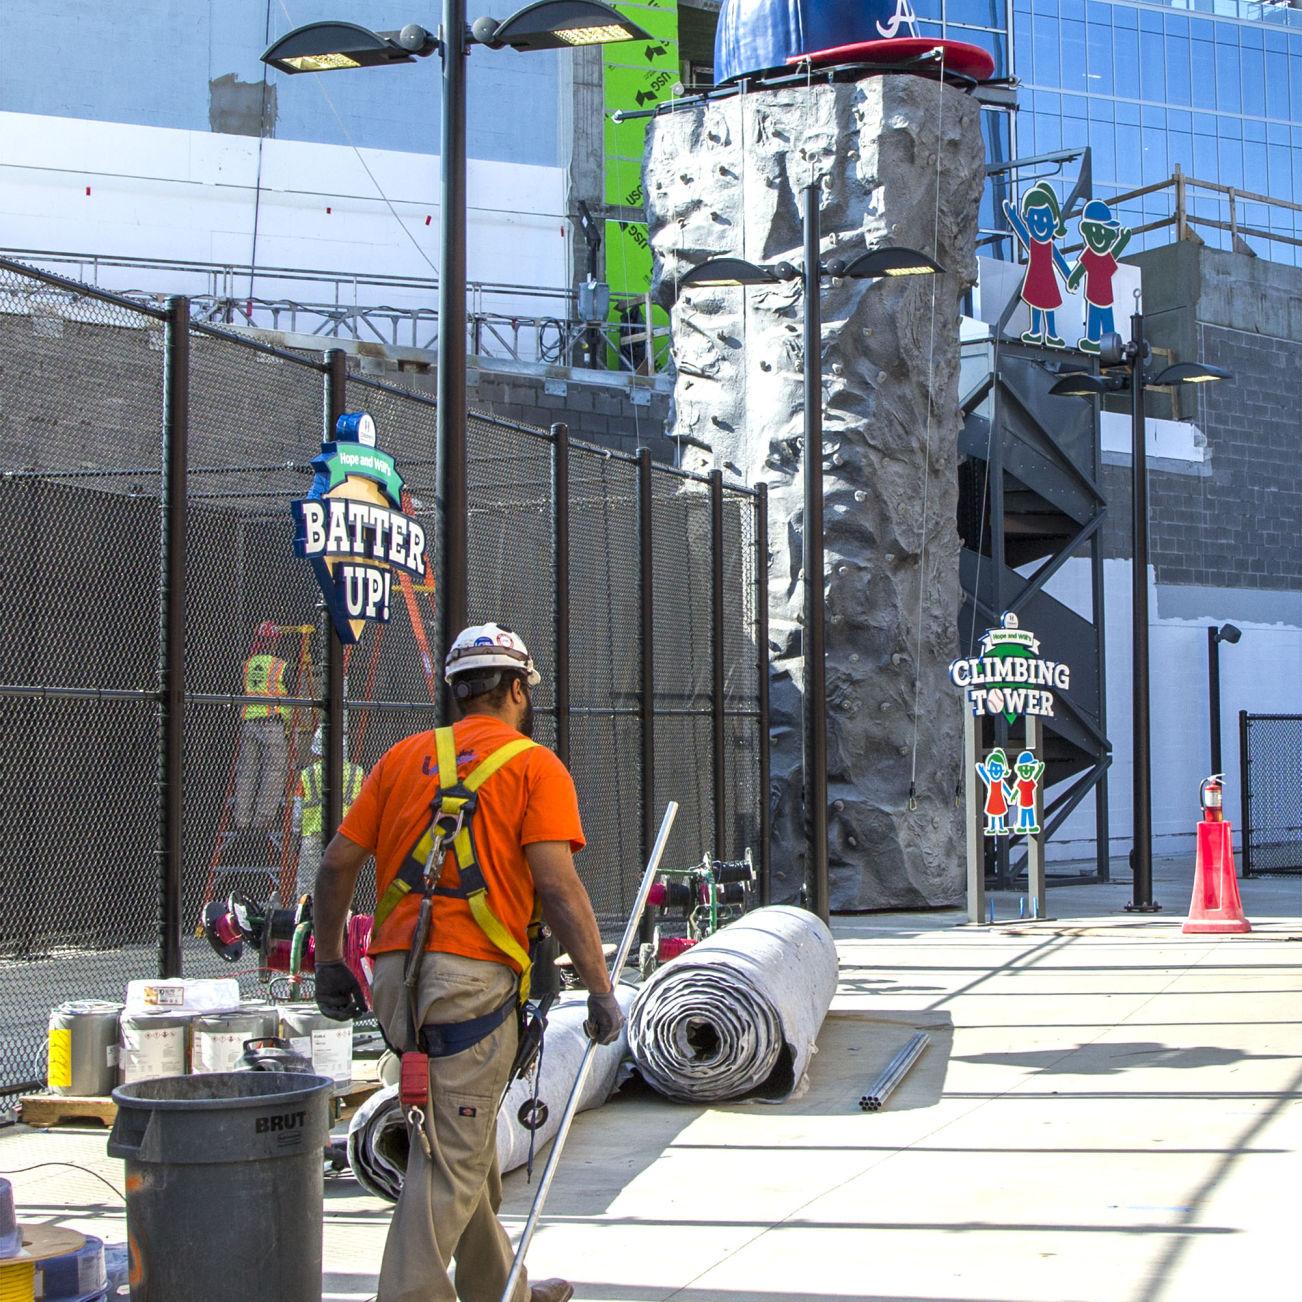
column 551, row 1290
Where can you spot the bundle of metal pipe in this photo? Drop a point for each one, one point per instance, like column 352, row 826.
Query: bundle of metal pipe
column 377, row 1134
column 739, row 1013
column 894, row 1072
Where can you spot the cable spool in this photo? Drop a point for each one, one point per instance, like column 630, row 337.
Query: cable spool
column 83, row 1048
column 153, row 1044
column 78, row 1276
column 23, row 1280
column 327, row 1042
column 217, row 1039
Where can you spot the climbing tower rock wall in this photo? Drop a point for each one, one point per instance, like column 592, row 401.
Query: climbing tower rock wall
column 899, row 161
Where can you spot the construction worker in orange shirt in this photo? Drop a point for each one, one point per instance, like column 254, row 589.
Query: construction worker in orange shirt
column 474, row 830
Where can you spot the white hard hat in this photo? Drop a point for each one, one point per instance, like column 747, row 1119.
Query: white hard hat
column 487, row 647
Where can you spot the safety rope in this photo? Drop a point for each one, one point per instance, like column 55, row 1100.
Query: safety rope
column 926, row 465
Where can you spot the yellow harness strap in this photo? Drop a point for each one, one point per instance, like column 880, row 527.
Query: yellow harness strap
column 456, row 802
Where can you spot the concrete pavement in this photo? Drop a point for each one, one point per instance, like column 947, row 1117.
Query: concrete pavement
column 1109, row 1110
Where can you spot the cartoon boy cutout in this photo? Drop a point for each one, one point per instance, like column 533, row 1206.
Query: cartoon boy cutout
column 1037, row 225
column 994, row 774
column 1029, row 772
column 1105, row 240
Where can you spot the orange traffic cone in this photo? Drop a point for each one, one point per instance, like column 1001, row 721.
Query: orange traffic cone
column 1216, row 907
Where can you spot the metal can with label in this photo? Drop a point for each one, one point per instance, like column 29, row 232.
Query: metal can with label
column 83, row 1048
column 327, row 1042
column 217, row 1039
column 154, row 1044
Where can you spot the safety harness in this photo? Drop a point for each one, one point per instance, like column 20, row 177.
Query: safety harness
column 452, row 827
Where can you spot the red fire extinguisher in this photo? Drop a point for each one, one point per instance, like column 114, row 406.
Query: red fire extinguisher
column 1212, row 793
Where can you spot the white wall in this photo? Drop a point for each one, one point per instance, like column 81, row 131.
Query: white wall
column 157, row 192
column 1261, row 674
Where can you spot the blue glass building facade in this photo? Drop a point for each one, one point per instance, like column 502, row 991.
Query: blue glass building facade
column 1213, row 87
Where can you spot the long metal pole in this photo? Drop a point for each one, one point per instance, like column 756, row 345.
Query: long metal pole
column 646, row 641
column 762, row 681
column 1214, row 694
column 332, row 783
column 572, row 1103
column 451, row 391
column 176, row 417
column 1142, row 891
column 718, row 669
column 814, row 636
column 561, row 509
column 1245, row 794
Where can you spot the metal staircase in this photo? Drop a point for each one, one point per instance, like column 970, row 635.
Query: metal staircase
column 1030, row 499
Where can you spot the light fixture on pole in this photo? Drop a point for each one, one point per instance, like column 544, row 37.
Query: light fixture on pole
column 334, row 46
column 1215, row 636
column 872, row 265
column 1125, row 371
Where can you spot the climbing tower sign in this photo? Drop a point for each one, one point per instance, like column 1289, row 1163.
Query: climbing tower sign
column 1009, row 677
column 352, row 527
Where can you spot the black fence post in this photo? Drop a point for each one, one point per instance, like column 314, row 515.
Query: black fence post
column 718, row 669
column 332, row 779
column 176, row 446
column 1245, row 793
column 561, row 514
column 762, row 686
column 646, row 639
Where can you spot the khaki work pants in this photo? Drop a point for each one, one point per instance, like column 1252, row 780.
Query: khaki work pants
column 448, row 1207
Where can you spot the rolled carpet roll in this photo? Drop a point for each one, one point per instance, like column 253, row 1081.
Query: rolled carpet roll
column 377, row 1134
column 739, row 1013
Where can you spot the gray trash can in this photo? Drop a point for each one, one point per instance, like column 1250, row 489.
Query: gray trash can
column 224, row 1180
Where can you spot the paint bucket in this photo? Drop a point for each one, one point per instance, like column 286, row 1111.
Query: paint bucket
column 77, row 1276
column 327, row 1042
column 217, row 1039
column 153, row 1044
column 83, row 1048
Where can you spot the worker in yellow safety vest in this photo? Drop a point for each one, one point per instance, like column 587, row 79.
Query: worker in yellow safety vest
column 308, row 810
column 473, row 828
column 264, row 748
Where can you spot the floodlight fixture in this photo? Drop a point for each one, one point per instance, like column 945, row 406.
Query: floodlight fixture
column 1189, row 373
column 1230, row 633
column 893, row 260
column 727, row 272
column 334, row 46
column 1082, row 384
column 557, row 25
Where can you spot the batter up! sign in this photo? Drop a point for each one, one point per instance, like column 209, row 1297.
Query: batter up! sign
column 1008, row 677
column 352, row 528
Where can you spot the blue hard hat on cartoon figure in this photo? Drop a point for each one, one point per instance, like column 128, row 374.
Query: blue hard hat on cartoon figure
column 1025, row 758
column 1097, row 211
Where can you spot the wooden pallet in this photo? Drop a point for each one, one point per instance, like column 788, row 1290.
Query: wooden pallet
column 42, row 1111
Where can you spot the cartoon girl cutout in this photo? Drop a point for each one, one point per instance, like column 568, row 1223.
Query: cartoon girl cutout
column 994, row 773
column 1037, row 226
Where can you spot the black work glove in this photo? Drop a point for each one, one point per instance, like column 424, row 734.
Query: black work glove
column 605, row 1018
column 338, row 992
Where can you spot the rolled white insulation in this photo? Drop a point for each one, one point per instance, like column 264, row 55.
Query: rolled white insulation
column 377, row 1134
column 739, row 1013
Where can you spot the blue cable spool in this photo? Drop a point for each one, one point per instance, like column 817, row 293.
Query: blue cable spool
column 74, row 1277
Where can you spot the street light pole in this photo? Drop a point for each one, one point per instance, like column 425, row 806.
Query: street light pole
column 814, row 634
column 1142, row 854
column 450, row 415
column 1214, row 693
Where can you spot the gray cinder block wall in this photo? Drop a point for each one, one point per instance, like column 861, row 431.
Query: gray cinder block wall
column 899, row 161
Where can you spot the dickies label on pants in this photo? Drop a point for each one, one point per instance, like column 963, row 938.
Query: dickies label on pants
column 464, row 1111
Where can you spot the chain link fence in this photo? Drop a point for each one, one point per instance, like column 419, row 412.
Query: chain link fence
column 1270, row 759
column 636, row 588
